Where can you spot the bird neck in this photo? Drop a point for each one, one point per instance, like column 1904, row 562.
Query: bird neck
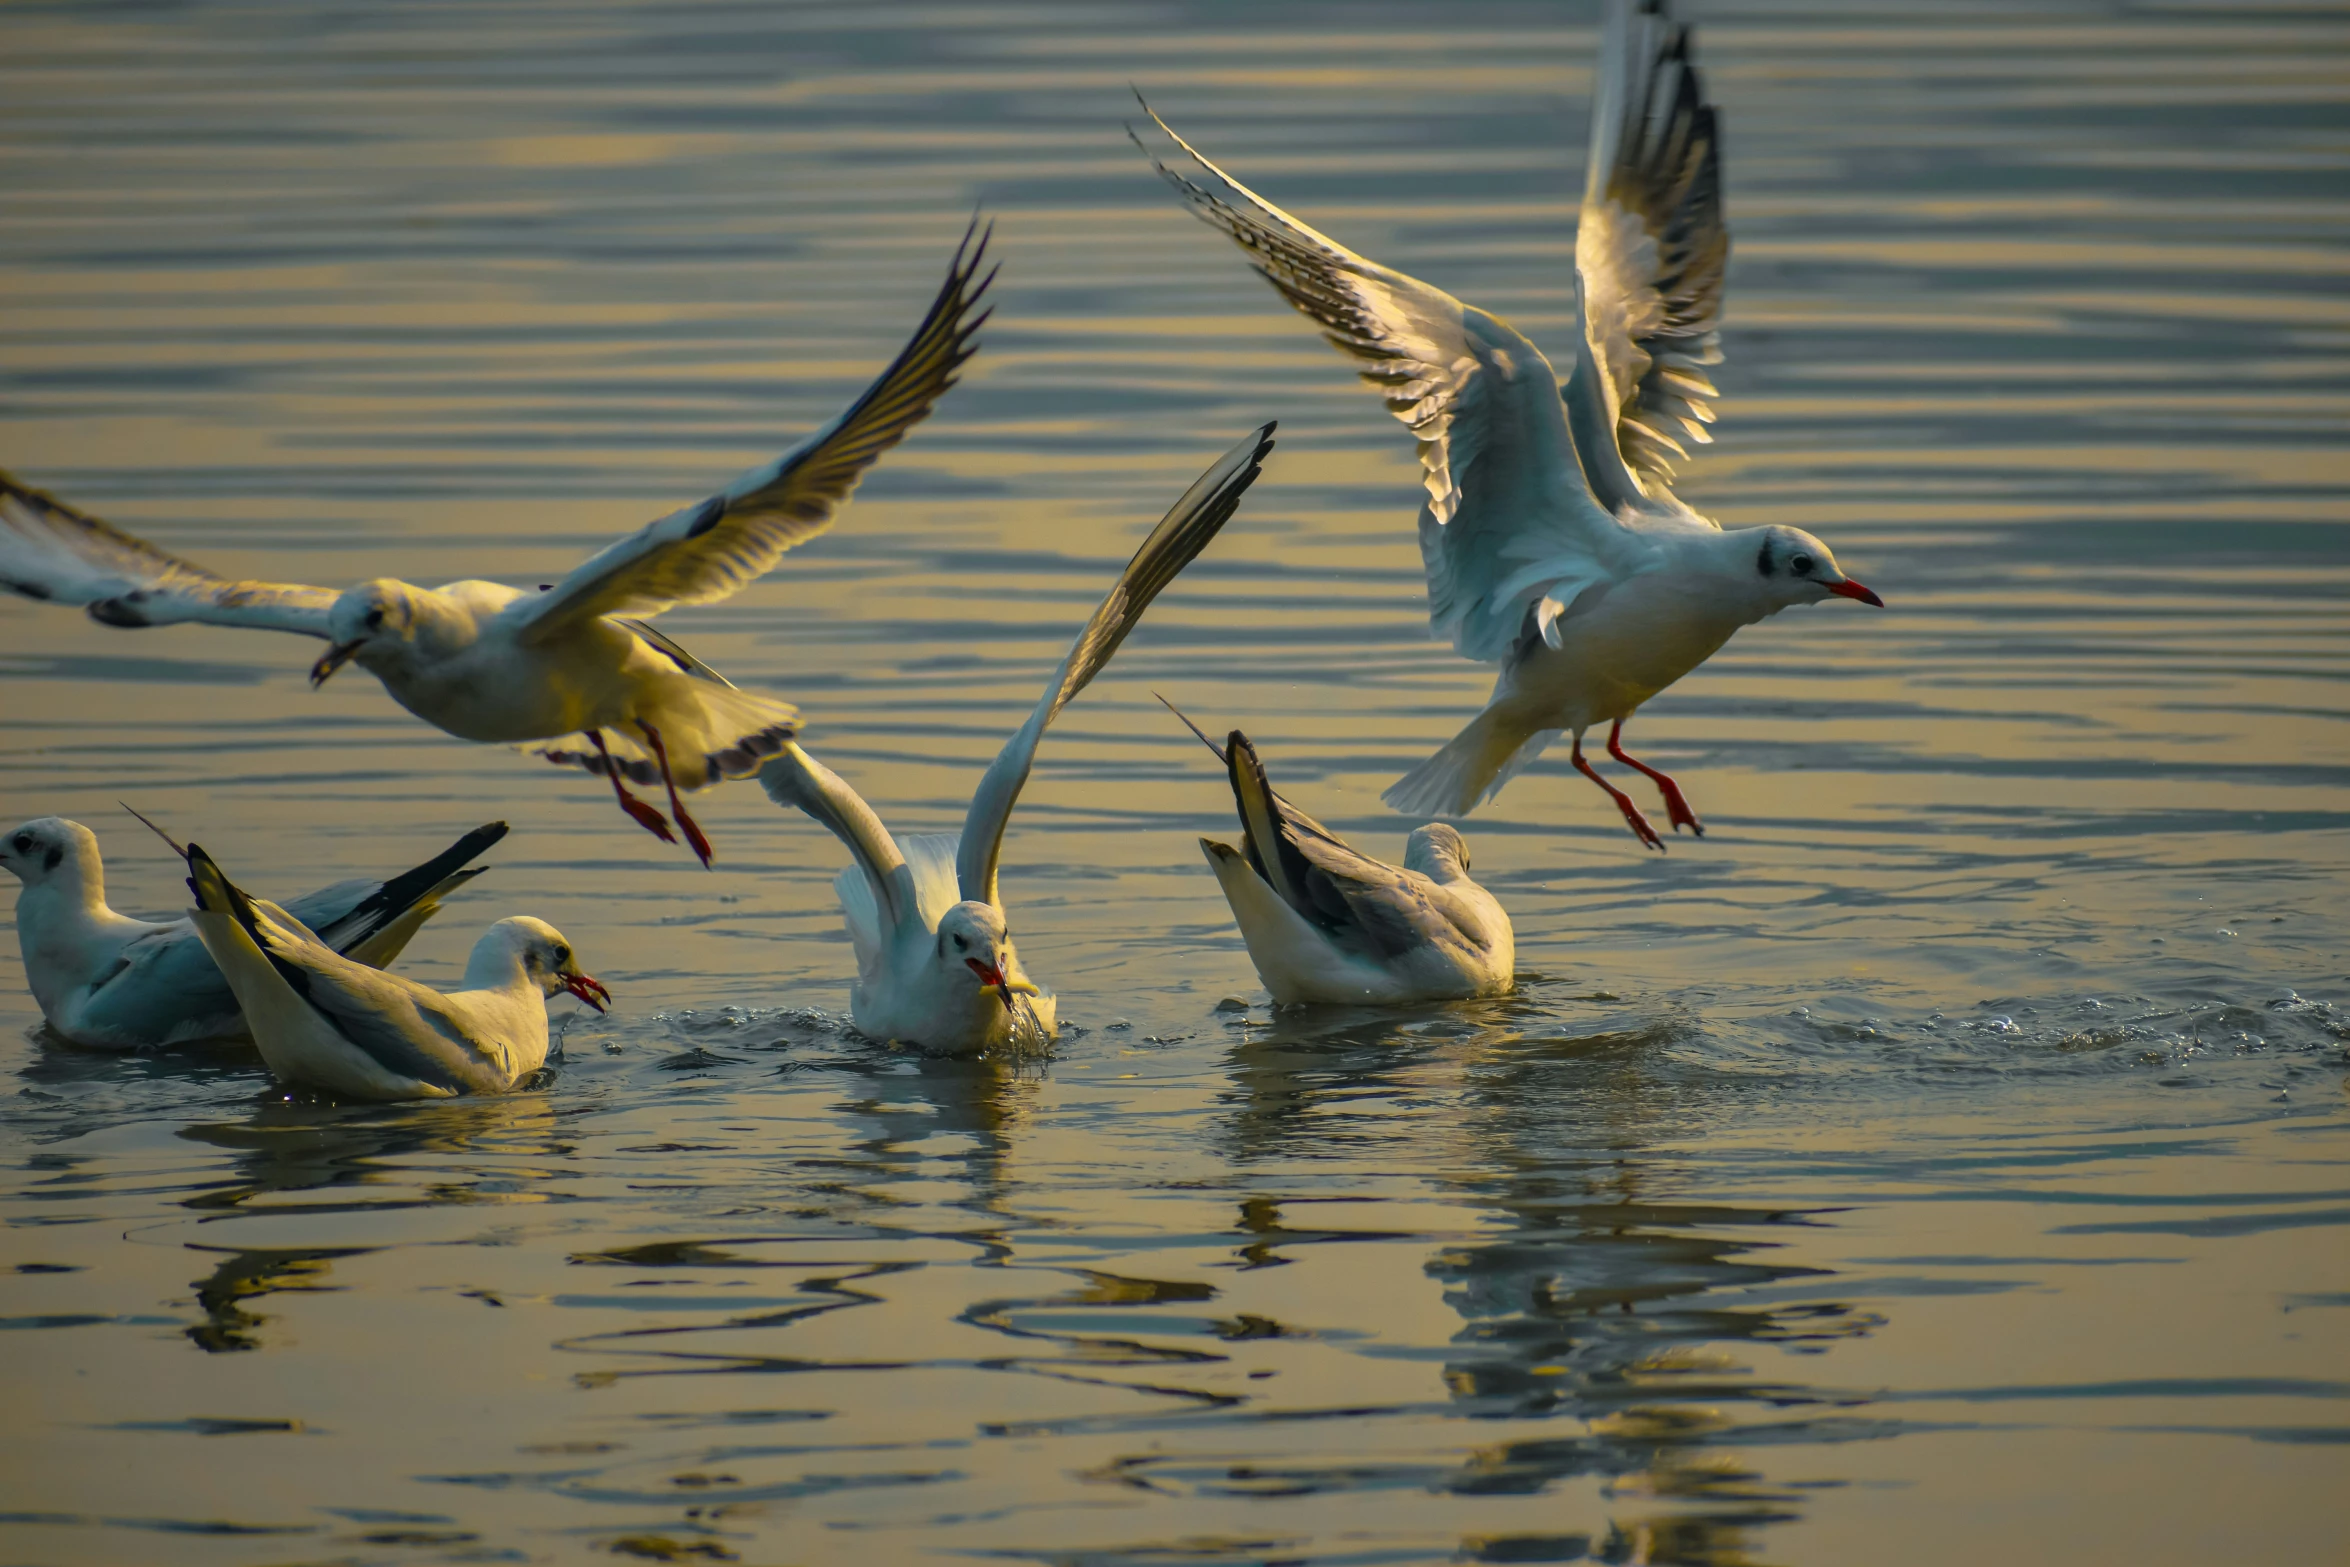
column 66, row 932
column 496, row 964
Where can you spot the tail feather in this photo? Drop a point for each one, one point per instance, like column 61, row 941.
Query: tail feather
column 712, row 732
column 1472, row 767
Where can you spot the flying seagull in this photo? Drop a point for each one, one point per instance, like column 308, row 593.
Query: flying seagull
column 115, row 983
column 324, row 1021
column 502, row 666
column 935, row 964
column 1325, row 923
column 1553, row 542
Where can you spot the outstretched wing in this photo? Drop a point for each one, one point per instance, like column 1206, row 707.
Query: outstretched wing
column 60, row 555
column 1509, row 518
column 797, row 779
column 710, row 550
column 1651, row 249
column 1186, row 529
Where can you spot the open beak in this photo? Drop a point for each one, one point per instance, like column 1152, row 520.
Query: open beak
column 589, row 990
column 336, row 657
column 1849, row 589
column 992, row 977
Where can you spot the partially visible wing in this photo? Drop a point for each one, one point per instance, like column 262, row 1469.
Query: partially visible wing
column 1509, row 516
column 51, row 552
column 395, row 1022
column 1358, row 901
column 712, row 549
column 371, row 922
column 1651, row 248
column 797, row 779
column 1186, row 529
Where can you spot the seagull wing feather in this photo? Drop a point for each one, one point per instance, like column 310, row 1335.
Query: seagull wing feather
column 1186, row 529
column 710, row 550
column 1651, row 250
column 56, row 553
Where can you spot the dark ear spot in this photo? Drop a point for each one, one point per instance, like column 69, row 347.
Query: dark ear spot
column 56, row 857
column 1762, row 562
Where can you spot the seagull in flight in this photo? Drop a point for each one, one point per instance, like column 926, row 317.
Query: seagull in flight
column 1553, row 542
column 111, row 982
column 935, row 963
column 326, row 1022
column 1327, row 924
column 499, row 665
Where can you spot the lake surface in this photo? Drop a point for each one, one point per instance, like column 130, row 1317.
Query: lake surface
column 1947, row 1160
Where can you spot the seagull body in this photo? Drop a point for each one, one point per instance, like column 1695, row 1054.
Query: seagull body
column 323, row 1021
column 936, row 967
column 1553, row 543
column 1327, row 924
column 498, row 665
column 112, row 982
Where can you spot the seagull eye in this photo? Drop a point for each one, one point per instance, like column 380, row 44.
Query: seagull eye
column 375, row 618
column 961, row 945
column 562, row 956
column 1801, row 565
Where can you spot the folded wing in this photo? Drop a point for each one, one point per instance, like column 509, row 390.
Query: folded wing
column 710, row 550
column 54, row 553
column 1186, row 529
column 1651, row 249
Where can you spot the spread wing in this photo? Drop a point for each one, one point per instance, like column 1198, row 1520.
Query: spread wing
column 1509, row 517
column 1651, row 248
column 878, row 894
column 1186, row 529
column 710, row 550
column 54, row 553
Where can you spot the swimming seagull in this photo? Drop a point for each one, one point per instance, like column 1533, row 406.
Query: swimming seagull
column 935, row 962
column 322, row 1020
column 1325, row 923
column 495, row 664
column 106, row 980
column 1552, row 540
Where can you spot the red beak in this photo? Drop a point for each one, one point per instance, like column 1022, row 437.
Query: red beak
column 591, row 991
column 1849, row 589
column 992, row 977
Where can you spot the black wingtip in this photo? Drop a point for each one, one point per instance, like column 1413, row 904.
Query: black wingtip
column 1194, row 728
column 177, row 847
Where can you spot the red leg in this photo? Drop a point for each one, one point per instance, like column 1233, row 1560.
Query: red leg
column 693, row 829
column 640, row 813
column 1676, row 807
column 1632, row 817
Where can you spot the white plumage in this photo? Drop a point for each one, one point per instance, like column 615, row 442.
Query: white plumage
column 496, row 664
column 323, row 1021
column 1552, row 541
column 936, row 967
column 1325, row 923
column 112, row 982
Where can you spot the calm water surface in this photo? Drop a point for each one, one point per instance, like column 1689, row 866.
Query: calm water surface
column 1945, row 1161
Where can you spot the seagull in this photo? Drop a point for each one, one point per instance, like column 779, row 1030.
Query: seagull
column 498, row 665
column 935, row 964
column 322, row 1020
column 1327, row 924
column 1553, row 542
column 108, row 981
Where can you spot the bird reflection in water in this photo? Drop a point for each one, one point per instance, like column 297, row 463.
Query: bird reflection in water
column 290, row 1147
column 1600, row 1301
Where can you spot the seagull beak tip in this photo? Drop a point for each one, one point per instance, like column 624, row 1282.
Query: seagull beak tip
column 1849, row 589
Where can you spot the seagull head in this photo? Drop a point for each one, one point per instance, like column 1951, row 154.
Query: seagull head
column 47, row 846
column 1437, row 851
column 544, row 957
column 374, row 617
column 973, row 936
column 1796, row 568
